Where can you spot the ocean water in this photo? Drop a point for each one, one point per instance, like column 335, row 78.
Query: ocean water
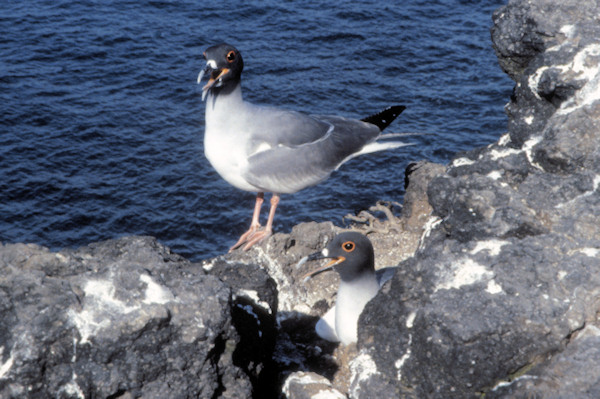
column 101, row 119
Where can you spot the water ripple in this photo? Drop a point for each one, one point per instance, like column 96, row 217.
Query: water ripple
column 102, row 122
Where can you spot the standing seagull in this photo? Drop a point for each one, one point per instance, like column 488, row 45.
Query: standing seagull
column 258, row 148
column 351, row 255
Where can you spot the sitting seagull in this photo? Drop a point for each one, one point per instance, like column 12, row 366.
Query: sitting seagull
column 267, row 149
column 352, row 257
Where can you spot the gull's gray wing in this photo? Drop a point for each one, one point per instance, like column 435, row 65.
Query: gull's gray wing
column 385, row 274
column 291, row 165
column 272, row 127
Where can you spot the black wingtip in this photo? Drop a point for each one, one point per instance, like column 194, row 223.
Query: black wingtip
column 384, row 118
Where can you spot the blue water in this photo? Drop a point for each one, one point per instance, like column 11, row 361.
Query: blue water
column 101, row 121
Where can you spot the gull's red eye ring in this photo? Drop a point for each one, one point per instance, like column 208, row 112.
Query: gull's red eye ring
column 348, row 246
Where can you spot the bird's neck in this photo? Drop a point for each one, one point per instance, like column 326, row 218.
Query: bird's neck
column 351, row 275
column 223, row 103
column 367, row 281
column 228, row 95
column 357, row 292
column 351, row 299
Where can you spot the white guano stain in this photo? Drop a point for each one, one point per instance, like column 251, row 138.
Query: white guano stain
column 503, row 384
column 155, row 293
column 303, row 378
column 494, row 175
column 248, row 309
column 362, row 367
column 253, row 296
column 464, row 272
column 534, row 79
column 503, row 153
column 286, row 301
column 580, row 69
column 493, row 247
column 561, row 274
column 493, row 287
column 400, row 362
column 504, row 139
column 572, row 201
column 462, row 162
column 71, row 389
column 100, row 304
column 528, row 149
column 7, row 365
column 588, row 71
column 328, row 394
column 431, row 224
column 411, row 319
column 569, row 32
column 591, row 252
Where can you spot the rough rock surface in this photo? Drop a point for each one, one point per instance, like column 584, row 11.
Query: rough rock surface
column 494, row 300
column 571, row 373
column 122, row 318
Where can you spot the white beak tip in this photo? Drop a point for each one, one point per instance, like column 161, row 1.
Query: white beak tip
column 301, row 262
column 200, row 76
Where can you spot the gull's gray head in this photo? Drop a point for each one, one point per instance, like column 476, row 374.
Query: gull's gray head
column 351, row 254
column 224, row 65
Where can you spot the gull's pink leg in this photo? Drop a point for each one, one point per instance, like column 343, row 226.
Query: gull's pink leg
column 255, row 225
column 259, row 235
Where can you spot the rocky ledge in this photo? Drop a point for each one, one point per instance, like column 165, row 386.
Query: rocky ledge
column 496, row 293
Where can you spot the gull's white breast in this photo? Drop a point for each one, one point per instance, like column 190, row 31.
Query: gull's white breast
column 225, row 144
column 351, row 300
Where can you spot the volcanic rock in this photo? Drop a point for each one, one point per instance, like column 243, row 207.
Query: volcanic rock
column 124, row 318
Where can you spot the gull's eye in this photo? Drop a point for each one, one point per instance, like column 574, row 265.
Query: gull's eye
column 231, row 56
column 348, row 246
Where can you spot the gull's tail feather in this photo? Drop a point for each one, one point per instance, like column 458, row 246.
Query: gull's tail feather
column 375, row 147
column 395, row 135
column 384, row 118
column 380, row 146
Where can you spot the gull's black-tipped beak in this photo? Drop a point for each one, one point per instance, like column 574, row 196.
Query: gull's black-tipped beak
column 207, row 70
column 215, row 76
column 316, row 256
column 202, row 73
column 311, row 257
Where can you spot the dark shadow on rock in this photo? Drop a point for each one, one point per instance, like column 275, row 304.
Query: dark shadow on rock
column 253, row 312
column 308, row 351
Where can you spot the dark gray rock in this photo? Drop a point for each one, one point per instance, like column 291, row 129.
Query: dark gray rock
column 522, row 30
column 550, row 49
column 507, row 276
column 122, row 318
column 254, row 310
column 462, row 318
column 572, row 373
